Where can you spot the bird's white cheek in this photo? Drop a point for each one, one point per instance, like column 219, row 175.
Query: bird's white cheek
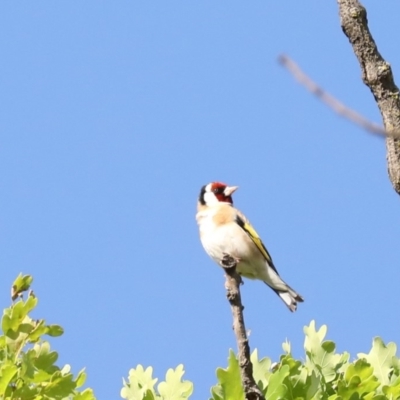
column 210, row 199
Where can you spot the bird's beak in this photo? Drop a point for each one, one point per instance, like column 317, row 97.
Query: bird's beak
column 229, row 190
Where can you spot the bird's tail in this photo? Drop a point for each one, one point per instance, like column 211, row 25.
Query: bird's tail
column 289, row 297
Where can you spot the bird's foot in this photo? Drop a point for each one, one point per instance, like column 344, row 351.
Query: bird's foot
column 228, row 261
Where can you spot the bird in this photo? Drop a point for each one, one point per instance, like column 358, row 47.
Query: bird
column 225, row 231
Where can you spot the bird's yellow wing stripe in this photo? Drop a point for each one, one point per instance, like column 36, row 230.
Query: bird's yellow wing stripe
column 251, row 232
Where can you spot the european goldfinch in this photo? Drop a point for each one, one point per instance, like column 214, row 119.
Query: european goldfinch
column 224, row 230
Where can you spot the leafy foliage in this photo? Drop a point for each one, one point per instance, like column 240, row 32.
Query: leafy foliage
column 324, row 375
column 140, row 385
column 28, row 367
column 27, row 364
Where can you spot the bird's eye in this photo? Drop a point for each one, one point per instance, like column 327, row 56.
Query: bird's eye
column 218, row 190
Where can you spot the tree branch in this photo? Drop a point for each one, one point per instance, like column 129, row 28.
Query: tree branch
column 377, row 75
column 233, row 281
column 331, row 101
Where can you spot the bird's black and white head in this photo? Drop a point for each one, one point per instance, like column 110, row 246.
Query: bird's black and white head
column 215, row 193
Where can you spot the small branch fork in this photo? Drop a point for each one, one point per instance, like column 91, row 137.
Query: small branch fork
column 376, row 74
column 232, row 284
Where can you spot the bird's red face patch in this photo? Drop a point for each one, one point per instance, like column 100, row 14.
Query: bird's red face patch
column 218, row 189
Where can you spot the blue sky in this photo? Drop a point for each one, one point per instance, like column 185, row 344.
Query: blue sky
column 114, row 114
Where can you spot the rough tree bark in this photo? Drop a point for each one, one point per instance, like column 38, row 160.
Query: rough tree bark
column 377, row 75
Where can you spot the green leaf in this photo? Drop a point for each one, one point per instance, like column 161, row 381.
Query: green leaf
column 20, row 285
column 396, row 368
column 45, row 358
column 230, row 379
column 60, row 386
column 358, row 380
column 320, row 355
column 261, row 369
column 38, row 331
column 18, row 313
column 81, row 378
column 30, row 303
column 143, row 378
column 286, row 347
column 7, row 373
column 41, row 376
column 312, row 387
column 66, row 369
column 140, row 384
column 25, row 391
column 5, row 323
column 217, row 392
column 16, row 320
column 55, row 330
column 377, row 397
column 87, row 394
column 392, row 391
column 298, row 381
column 360, row 368
column 381, row 359
column 149, row 395
column 276, row 388
column 28, row 369
column 174, row 388
column 132, row 392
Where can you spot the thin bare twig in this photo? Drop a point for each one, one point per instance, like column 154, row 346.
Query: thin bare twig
column 233, row 281
column 331, row 101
